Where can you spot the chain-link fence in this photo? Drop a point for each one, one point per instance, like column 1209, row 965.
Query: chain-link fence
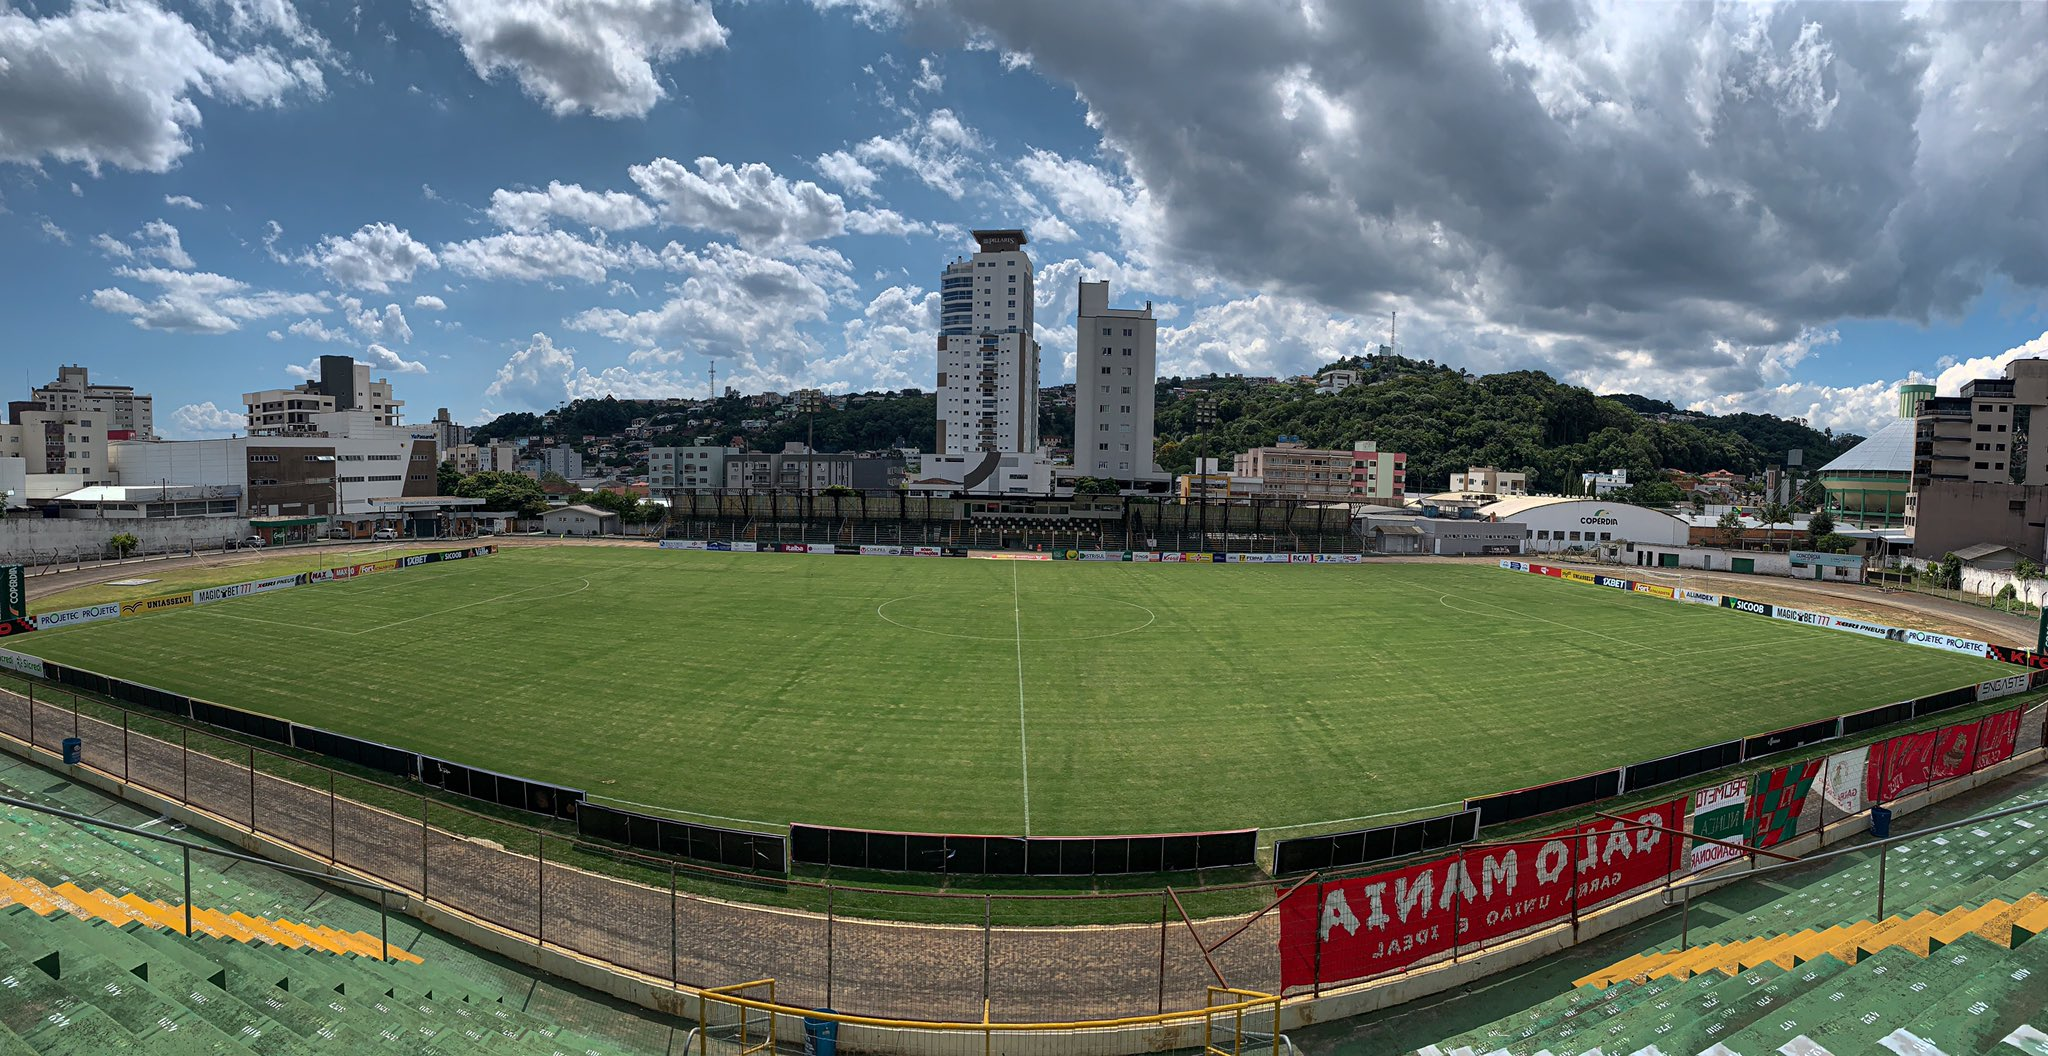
column 933, row 955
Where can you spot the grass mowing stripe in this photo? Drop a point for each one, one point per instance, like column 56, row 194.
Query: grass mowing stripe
column 1023, row 738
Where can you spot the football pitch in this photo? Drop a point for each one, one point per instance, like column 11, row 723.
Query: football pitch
column 1005, row 697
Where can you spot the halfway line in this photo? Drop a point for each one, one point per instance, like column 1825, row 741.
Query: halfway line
column 1023, row 742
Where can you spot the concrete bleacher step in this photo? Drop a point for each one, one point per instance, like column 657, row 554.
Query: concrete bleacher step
column 1887, row 992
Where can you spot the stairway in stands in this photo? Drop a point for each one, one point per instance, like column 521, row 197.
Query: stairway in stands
column 93, row 958
column 1960, row 967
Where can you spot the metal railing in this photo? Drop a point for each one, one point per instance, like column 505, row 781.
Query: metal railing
column 187, row 847
column 1883, row 846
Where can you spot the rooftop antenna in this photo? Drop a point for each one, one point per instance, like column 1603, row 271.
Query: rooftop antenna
column 1393, row 324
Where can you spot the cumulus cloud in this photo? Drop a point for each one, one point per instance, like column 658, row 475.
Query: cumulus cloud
column 198, row 302
column 847, row 171
column 593, row 56
column 199, row 421
column 1680, row 196
column 156, row 240
column 533, row 210
column 384, row 359
column 373, row 324
column 889, row 345
column 312, row 330
column 184, row 201
column 733, row 304
column 427, row 302
column 938, row 149
column 542, row 255
column 748, row 202
column 120, row 82
column 373, row 258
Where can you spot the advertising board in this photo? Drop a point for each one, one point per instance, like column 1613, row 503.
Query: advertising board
column 25, row 664
column 88, row 614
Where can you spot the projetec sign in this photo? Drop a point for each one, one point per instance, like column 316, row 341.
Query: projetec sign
column 1600, row 517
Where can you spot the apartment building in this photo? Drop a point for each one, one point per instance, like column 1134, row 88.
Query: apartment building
column 987, row 354
column 1291, row 469
column 1490, row 480
column 67, row 449
column 796, row 470
column 1376, row 475
column 117, row 410
column 693, row 468
column 342, row 384
column 1114, row 367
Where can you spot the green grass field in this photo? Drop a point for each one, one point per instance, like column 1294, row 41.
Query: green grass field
column 1003, row 697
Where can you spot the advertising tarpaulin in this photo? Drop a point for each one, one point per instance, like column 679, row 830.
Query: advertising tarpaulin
column 1776, row 799
column 2022, row 657
column 10, row 628
column 1718, row 813
column 1811, row 619
column 167, row 601
column 1866, row 628
column 1613, row 581
column 209, row 595
column 1755, row 608
column 1996, row 737
column 1514, row 566
column 1954, row 747
column 793, row 548
column 1365, row 926
column 1656, row 590
column 1093, row 555
column 823, row 548
column 746, row 548
column 1699, row 597
column 89, row 614
column 265, row 586
column 2002, row 687
column 27, row 665
column 1547, row 570
column 13, row 592
column 416, row 560
column 1390, row 920
column 718, row 544
column 880, row 551
column 1905, row 762
column 1144, row 555
column 1576, row 576
column 681, row 544
column 1946, row 641
column 1842, row 780
column 1300, row 559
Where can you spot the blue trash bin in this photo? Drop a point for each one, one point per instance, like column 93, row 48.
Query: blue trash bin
column 821, row 1036
column 1880, row 821
column 74, row 750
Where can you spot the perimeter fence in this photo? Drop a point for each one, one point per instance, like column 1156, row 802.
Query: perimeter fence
column 963, row 956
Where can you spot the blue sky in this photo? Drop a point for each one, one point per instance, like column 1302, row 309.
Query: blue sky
column 1785, row 208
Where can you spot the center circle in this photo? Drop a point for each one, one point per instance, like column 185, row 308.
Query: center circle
column 1004, row 617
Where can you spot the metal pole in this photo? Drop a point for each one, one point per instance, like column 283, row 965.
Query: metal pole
column 124, row 746
column 423, row 849
column 31, row 716
column 331, row 837
column 383, row 927
column 1881, row 849
column 252, row 789
column 74, row 715
column 1162, row 955
column 185, row 765
column 1316, row 984
column 540, row 890
column 674, row 979
column 987, row 916
column 188, row 891
column 829, row 906
column 1685, row 922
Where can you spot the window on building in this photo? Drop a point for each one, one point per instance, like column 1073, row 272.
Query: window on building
column 1105, row 370
column 1575, row 537
column 1127, row 331
column 1127, row 390
column 1101, row 447
column 1983, row 465
column 1984, row 428
column 1605, row 536
column 1105, row 331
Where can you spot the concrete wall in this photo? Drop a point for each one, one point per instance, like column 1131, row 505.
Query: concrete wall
column 28, row 537
column 1947, row 516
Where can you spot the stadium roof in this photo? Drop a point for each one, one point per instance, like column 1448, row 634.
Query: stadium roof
column 1889, row 450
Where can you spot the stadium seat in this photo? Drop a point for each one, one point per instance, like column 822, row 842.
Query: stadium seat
column 1957, row 969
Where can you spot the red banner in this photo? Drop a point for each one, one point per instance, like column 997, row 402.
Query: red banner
column 1996, row 736
column 1953, row 748
column 1363, row 927
column 1353, row 929
column 1899, row 764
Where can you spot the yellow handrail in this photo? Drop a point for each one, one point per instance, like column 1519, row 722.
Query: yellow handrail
column 715, row 996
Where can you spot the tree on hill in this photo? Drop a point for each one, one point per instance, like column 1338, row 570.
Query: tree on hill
column 505, row 492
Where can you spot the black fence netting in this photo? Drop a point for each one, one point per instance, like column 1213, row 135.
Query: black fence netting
column 1019, row 855
column 1382, row 844
column 1545, row 799
column 731, row 848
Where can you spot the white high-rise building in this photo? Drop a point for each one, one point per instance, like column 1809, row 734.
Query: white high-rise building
column 988, row 356
column 342, row 385
column 1115, row 350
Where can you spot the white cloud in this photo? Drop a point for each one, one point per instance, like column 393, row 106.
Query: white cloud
column 384, row 359
column 427, row 302
column 373, row 258
column 535, row 377
column 528, row 211
column 595, row 56
column 937, row 150
column 54, row 233
column 386, row 325
column 749, row 202
column 735, row 305
column 847, row 171
column 542, row 255
column 199, row 421
column 1261, row 334
column 313, row 329
column 199, row 302
column 889, row 345
column 113, row 247
column 880, row 221
column 929, row 79
column 120, row 82
column 160, row 240
column 184, row 201
column 272, row 231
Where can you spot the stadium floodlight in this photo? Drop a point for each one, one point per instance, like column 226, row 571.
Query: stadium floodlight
column 1205, row 420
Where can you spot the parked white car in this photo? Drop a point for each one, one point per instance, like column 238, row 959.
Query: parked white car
column 384, row 533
